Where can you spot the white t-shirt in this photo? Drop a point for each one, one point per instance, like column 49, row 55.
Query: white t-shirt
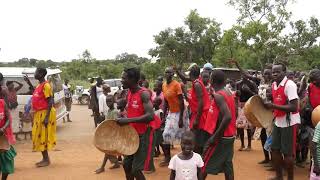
column 103, row 108
column 291, row 91
column 66, row 89
column 99, row 91
column 186, row 169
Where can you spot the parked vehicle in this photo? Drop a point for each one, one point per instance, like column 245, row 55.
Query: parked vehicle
column 114, row 85
column 24, row 94
column 81, row 95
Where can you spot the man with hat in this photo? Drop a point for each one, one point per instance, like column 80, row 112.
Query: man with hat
column 285, row 110
column 139, row 114
column 208, row 67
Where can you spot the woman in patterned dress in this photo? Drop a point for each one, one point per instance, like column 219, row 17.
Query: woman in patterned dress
column 44, row 120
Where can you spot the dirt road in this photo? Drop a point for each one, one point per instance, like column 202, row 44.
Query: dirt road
column 75, row 158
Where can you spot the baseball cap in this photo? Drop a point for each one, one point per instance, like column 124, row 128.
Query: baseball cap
column 208, row 66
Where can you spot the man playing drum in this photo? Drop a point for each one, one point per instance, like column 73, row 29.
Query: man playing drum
column 139, row 114
column 285, row 110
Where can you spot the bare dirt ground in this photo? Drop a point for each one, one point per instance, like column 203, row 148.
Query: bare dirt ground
column 75, row 157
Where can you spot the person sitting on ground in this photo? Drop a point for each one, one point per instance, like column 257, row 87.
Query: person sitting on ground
column 187, row 164
column 112, row 114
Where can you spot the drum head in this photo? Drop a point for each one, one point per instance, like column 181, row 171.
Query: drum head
column 256, row 113
column 114, row 139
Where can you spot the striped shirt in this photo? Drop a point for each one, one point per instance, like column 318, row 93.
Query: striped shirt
column 316, row 139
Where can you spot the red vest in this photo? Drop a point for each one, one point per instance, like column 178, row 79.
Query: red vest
column 8, row 131
column 135, row 109
column 214, row 112
column 314, row 95
column 193, row 103
column 279, row 98
column 39, row 101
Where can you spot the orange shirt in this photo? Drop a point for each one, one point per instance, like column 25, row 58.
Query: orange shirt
column 171, row 92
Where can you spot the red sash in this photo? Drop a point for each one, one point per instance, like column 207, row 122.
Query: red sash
column 193, row 103
column 279, row 98
column 214, row 112
column 39, row 101
column 135, row 109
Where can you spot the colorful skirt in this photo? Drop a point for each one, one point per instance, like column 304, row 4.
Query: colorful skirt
column 172, row 132
column 44, row 138
column 7, row 161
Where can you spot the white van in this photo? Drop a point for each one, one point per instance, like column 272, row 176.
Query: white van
column 17, row 74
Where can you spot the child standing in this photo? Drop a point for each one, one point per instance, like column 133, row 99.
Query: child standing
column 112, row 114
column 6, row 157
column 187, row 164
column 158, row 133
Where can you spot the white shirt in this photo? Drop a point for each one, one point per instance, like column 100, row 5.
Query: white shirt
column 103, row 108
column 262, row 90
column 99, row 91
column 291, row 91
column 186, row 169
column 66, row 89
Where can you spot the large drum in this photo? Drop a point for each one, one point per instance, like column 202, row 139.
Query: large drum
column 315, row 116
column 257, row 114
column 114, row 139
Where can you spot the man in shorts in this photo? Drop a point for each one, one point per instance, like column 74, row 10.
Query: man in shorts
column 139, row 114
column 284, row 104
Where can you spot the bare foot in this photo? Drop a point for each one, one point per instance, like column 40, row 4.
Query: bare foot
column 115, row 166
column 100, row 170
column 43, row 163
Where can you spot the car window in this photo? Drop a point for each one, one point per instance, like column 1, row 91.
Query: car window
column 118, row 83
column 111, row 83
column 25, row 88
column 55, row 82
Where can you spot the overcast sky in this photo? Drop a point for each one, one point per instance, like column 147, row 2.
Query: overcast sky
column 62, row 29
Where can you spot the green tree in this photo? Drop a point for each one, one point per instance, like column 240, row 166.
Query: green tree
column 194, row 42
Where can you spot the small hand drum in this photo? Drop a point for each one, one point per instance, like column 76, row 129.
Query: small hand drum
column 113, row 139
